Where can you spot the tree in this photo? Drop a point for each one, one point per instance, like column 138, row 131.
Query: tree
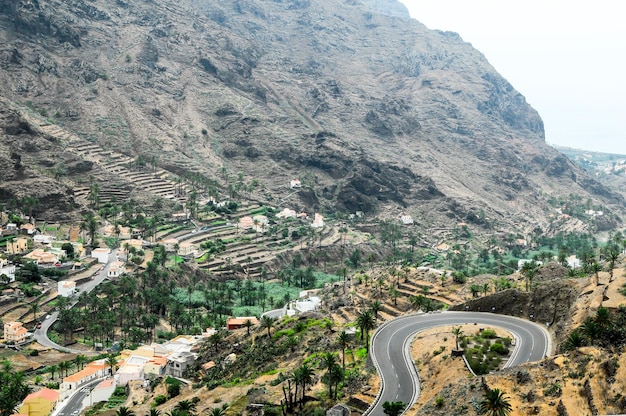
column 219, row 411
column 366, row 322
column 343, row 339
column 574, row 341
column 124, row 411
column 13, row 389
column 69, row 250
column 613, row 254
column 248, row 324
column 529, row 270
column 475, row 289
column 334, row 373
column 268, row 322
column 486, row 287
column 65, row 366
column 34, row 308
column 417, row 301
column 53, row 369
column 111, row 362
column 90, row 225
column 186, row 407
column 303, row 376
column 355, row 258
column 80, row 361
column 393, row 408
column 376, row 306
column 458, row 333
column 393, row 294
column 494, row 403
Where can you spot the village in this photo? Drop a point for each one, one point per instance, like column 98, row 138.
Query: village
column 67, row 268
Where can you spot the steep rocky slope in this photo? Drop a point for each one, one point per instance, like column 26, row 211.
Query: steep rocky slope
column 371, row 110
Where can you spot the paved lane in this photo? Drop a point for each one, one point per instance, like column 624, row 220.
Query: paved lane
column 391, row 344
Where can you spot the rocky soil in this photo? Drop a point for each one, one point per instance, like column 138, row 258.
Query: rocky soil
column 370, row 109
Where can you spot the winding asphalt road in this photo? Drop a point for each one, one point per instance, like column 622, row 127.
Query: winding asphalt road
column 391, row 344
column 41, row 334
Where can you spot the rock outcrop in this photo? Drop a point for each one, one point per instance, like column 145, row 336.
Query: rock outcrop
column 373, row 111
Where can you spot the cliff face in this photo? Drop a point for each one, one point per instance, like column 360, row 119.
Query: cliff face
column 370, row 109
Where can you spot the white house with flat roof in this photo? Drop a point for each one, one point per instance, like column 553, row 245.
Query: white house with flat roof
column 66, row 288
column 116, row 269
column 131, row 369
column 8, row 270
column 101, row 253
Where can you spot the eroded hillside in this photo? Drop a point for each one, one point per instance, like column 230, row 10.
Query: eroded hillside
column 371, row 112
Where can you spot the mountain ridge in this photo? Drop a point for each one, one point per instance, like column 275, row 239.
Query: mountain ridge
column 372, row 112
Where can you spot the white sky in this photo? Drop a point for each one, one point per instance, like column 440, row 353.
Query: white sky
column 568, row 58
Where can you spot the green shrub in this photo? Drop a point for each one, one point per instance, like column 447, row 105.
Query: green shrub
column 159, row 400
column 173, row 390
column 499, row 348
column 554, row 390
column 488, row 333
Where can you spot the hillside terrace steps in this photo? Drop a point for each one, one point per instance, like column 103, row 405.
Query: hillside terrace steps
column 157, row 183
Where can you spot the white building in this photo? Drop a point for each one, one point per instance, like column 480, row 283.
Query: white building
column 94, row 370
column 308, row 305
column 101, row 393
column 522, row 262
column 177, row 363
column 102, row 254
column 573, row 262
column 66, row 288
column 287, row 213
column 131, row 369
column 318, row 221
column 295, row 183
column 406, row 220
column 7, row 270
column 43, row 239
column 116, row 269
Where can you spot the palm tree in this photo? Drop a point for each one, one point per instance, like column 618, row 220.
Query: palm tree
column 248, row 324
column 393, row 408
column 529, row 270
column 458, row 333
column 343, row 340
column 366, row 322
column 80, row 361
column 334, row 373
column 303, row 376
column 495, row 403
column 596, row 269
column 53, row 369
column 65, row 366
column 13, row 390
column 124, row 411
column 90, row 225
column 486, row 287
column 613, row 255
column 34, row 308
column 603, row 318
column 268, row 322
column 574, row 341
column 154, row 412
column 218, row 411
column 417, row 301
column 376, row 307
column 111, row 362
column 186, row 407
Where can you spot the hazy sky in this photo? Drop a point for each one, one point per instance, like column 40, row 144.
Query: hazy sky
column 568, row 58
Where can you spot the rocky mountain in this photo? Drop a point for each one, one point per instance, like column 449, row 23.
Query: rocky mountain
column 371, row 110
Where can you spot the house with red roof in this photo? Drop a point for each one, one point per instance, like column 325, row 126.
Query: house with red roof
column 39, row 403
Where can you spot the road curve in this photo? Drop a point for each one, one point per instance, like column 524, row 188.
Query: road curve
column 390, row 349
column 41, row 334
